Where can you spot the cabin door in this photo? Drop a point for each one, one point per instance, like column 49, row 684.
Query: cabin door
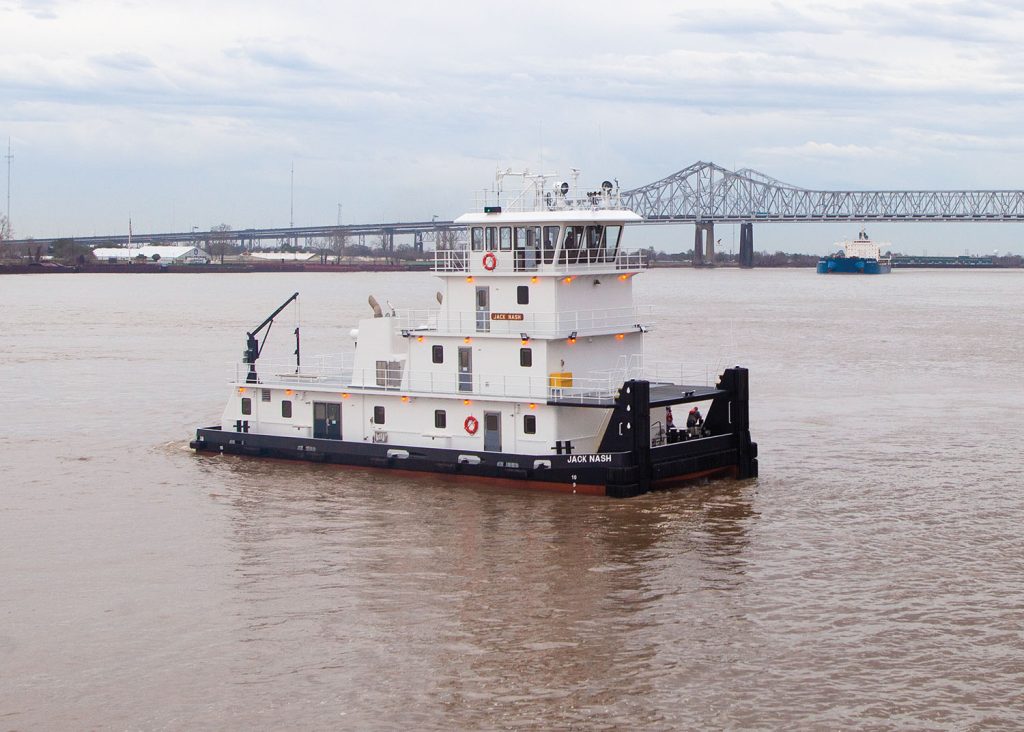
column 492, row 431
column 483, row 309
column 465, row 368
column 326, row 421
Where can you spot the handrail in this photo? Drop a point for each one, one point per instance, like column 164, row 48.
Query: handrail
column 590, row 387
column 568, row 261
column 534, row 325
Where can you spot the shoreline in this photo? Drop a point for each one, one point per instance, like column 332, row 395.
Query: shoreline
column 294, row 267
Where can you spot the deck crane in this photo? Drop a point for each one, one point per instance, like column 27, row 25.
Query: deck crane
column 254, row 346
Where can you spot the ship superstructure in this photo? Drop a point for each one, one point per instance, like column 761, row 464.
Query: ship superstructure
column 530, row 367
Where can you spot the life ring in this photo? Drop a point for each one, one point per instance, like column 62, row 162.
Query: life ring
column 471, row 424
column 490, row 261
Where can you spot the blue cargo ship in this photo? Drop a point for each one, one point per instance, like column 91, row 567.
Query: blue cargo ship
column 858, row 256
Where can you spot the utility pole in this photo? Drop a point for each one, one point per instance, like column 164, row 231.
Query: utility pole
column 9, row 157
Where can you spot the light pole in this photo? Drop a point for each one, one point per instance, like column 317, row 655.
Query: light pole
column 10, row 230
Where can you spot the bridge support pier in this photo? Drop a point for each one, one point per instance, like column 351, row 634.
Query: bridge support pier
column 746, row 245
column 704, row 244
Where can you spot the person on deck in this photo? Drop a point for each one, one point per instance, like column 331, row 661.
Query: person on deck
column 694, row 421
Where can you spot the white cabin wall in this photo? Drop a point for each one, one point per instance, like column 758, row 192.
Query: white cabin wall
column 378, row 340
column 581, row 294
column 592, row 353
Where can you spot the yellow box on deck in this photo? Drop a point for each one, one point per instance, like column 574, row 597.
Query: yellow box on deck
column 560, row 380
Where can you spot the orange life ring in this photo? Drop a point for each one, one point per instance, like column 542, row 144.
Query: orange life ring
column 471, row 424
column 490, row 261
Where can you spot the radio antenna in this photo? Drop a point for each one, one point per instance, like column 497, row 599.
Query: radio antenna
column 9, row 159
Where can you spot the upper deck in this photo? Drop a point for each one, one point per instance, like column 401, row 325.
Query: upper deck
column 557, row 229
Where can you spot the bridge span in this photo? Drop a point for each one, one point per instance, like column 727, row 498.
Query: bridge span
column 702, row 194
column 706, row 194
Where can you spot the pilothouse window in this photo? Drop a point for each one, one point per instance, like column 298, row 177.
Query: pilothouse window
column 611, row 241
column 550, row 243
column 478, row 239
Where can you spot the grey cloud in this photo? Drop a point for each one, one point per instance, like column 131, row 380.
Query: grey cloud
column 42, row 9
column 285, row 59
column 124, row 61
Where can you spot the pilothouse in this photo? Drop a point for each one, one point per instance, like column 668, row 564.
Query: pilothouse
column 530, row 368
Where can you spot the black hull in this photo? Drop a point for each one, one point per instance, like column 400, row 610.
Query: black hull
column 611, row 474
column 625, row 465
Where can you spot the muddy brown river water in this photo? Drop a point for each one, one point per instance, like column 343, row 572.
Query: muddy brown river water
column 871, row 578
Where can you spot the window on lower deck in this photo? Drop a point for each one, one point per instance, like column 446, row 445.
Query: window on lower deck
column 529, row 424
column 286, row 409
column 378, row 415
column 440, row 419
column 246, row 405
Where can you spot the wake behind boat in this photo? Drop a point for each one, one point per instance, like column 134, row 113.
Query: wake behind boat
column 531, row 369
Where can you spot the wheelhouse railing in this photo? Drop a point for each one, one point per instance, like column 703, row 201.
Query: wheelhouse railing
column 564, row 261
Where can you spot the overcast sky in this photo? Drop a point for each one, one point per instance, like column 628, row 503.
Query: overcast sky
column 192, row 113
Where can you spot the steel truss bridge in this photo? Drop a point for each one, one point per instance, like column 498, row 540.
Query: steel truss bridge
column 706, row 194
column 702, row 194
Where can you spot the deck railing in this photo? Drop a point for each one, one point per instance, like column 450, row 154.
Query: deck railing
column 533, row 325
column 336, row 372
column 568, row 261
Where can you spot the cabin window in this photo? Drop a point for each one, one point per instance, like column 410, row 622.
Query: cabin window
column 440, row 419
column 523, row 294
column 526, row 357
column 478, row 238
column 378, row 415
column 550, row 243
column 527, row 239
column 529, row 424
column 286, row 409
column 611, row 241
column 522, row 237
column 264, row 395
column 571, row 245
column 506, row 238
column 246, row 405
column 492, row 238
column 593, row 243
column 437, row 354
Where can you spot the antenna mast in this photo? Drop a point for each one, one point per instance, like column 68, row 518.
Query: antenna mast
column 9, row 159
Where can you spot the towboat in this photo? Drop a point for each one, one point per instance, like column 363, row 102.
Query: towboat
column 529, row 370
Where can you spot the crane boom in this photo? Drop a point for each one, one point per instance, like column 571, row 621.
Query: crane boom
column 254, row 346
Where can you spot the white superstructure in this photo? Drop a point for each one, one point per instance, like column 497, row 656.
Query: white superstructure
column 535, row 308
column 863, row 247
